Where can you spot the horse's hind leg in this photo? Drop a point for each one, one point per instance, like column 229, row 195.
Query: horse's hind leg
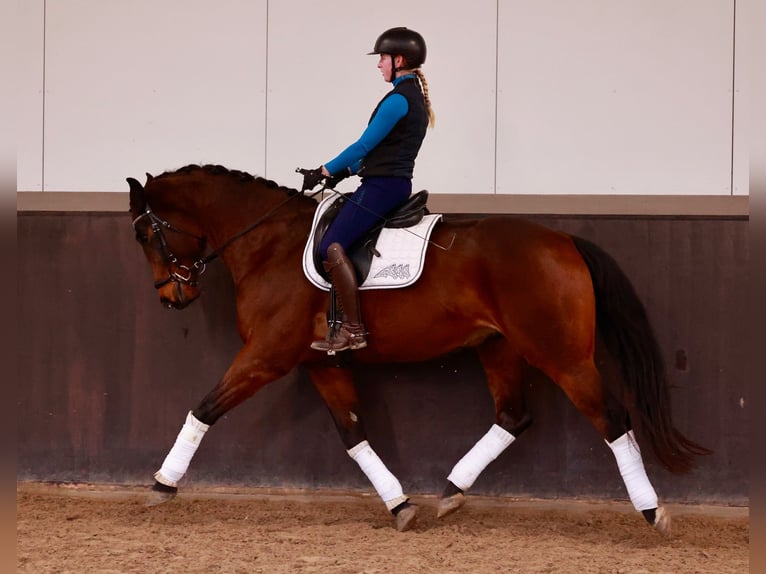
column 504, row 369
column 584, row 387
column 337, row 389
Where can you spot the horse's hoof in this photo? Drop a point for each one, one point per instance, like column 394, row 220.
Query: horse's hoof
column 160, row 493
column 450, row 504
column 662, row 521
column 405, row 518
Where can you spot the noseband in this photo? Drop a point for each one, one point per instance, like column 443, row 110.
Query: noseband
column 177, row 272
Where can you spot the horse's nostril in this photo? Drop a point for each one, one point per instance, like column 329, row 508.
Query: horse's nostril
column 173, row 303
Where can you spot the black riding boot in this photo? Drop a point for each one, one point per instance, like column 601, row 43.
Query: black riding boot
column 351, row 334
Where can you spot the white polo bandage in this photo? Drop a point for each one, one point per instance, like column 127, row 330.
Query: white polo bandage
column 179, row 457
column 385, row 483
column 631, row 466
column 489, row 447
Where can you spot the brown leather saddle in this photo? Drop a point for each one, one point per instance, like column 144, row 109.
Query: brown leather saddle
column 362, row 251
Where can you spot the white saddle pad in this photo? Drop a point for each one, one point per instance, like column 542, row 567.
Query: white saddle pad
column 402, row 253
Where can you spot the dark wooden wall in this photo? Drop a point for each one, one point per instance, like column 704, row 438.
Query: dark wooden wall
column 106, row 375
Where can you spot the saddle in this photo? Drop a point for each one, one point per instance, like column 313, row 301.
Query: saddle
column 363, row 249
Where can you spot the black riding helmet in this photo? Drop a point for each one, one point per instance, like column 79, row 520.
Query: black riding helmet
column 402, row 41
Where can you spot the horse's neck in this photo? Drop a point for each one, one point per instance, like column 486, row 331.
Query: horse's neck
column 250, row 231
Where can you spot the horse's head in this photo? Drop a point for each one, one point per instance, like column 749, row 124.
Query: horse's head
column 174, row 250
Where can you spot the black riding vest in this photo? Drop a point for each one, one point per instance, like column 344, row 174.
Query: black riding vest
column 395, row 155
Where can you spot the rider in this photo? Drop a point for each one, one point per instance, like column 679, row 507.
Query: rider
column 384, row 157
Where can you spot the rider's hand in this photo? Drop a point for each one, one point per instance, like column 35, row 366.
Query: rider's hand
column 312, row 178
column 334, row 180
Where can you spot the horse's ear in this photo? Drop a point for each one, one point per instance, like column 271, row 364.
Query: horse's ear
column 149, row 177
column 137, row 201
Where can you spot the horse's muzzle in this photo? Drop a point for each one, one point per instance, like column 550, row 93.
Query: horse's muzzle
column 176, row 295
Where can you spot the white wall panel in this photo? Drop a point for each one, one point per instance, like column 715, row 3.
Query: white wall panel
column 29, row 57
column 606, row 97
column 138, row 85
column 744, row 64
column 323, row 87
column 595, row 96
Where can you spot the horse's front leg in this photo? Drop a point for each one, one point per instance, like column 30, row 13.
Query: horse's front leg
column 337, row 389
column 247, row 374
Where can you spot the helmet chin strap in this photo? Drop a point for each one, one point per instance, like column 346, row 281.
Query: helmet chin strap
column 394, row 69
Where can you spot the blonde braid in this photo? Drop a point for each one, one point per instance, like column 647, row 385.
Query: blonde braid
column 424, row 85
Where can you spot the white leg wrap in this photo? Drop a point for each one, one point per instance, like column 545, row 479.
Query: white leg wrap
column 489, row 447
column 631, row 467
column 385, row 483
column 183, row 450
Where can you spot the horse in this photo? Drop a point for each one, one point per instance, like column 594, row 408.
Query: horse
column 521, row 295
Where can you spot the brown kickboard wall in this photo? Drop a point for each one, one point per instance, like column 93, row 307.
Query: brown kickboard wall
column 106, row 375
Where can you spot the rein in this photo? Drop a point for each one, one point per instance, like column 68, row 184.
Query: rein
column 190, row 275
column 216, row 252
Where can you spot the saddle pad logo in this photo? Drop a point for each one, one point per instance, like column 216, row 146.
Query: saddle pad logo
column 395, row 271
column 402, row 254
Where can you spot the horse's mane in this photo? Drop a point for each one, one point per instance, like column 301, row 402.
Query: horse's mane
column 215, row 169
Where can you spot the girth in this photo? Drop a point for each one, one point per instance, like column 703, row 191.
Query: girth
column 363, row 249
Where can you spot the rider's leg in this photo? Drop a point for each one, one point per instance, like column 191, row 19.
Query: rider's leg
column 351, row 334
column 361, row 211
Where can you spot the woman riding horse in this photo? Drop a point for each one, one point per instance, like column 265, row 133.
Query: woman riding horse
column 384, row 156
column 523, row 296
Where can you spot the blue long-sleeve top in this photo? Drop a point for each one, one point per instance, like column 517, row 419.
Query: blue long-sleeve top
column 392, row 109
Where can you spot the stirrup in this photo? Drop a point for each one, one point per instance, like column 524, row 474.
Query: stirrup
column 348, row 336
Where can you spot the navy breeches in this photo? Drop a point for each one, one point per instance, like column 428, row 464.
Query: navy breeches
column 367, row 206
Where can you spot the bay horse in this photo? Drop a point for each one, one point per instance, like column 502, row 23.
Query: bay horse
column 518, row 293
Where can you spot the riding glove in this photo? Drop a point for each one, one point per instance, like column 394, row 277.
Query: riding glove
column 334, row 180
column 312, row 178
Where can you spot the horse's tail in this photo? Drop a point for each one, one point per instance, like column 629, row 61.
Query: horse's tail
column 625, row 329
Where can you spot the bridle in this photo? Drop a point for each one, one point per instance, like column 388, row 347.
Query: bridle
column 177, row 272
column 189, row 275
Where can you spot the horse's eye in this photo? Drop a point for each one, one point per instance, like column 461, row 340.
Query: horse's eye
column 141, row 237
